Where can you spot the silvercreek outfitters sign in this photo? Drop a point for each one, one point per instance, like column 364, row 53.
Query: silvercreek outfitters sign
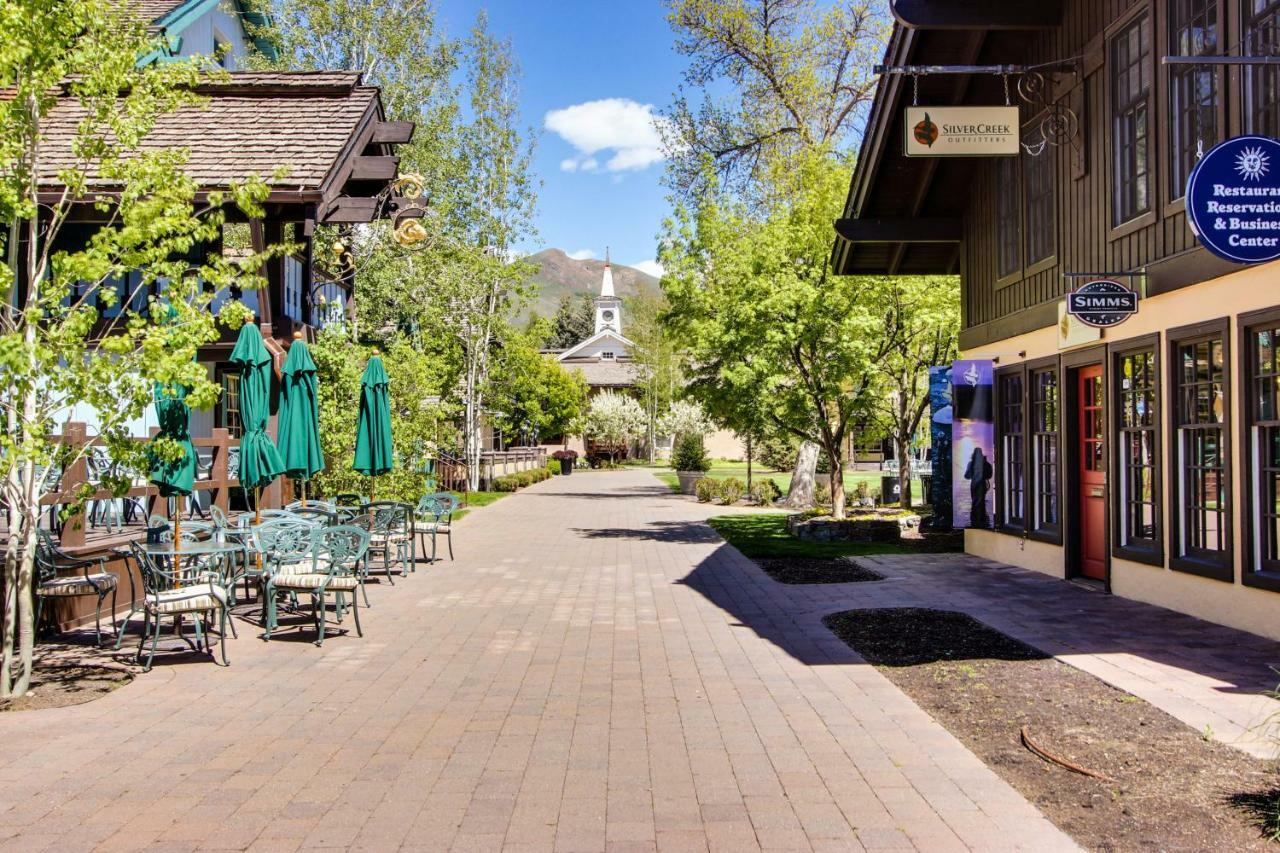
column 1233, row 200
column 1101, row 303
column 961, row 132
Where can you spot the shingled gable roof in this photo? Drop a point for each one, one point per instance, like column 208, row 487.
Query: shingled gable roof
column 250, row 124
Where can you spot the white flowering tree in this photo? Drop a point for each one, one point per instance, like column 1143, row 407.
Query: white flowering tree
column 613, row 421
column 685, row 417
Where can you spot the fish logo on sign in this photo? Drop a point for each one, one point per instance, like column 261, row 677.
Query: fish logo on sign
column 925, row 131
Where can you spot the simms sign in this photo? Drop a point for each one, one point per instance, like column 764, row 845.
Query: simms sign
column 961, row 131
column 1101, row 303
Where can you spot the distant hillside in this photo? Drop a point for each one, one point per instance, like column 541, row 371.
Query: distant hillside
column 559, row 274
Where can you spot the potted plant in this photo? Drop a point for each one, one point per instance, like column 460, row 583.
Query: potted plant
column 690, row 461
column 566, row 458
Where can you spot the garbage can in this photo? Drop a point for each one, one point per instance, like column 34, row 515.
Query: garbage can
column 890, row 493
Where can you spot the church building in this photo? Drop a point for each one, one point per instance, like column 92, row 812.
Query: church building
column 604, row 359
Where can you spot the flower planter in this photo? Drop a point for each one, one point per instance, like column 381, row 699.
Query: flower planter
column 566, row 467
column 689, row 481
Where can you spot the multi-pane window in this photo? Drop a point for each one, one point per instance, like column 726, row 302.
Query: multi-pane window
column 1137, row 492
column 229, row 404
column 1037, row 182
column 1193, row 89
column 1008, row 216
column 1130, row 104
column 1262, row 89
column 1200, row 372
column 1264, row 437
column 1011, row 476
column 1044, row 449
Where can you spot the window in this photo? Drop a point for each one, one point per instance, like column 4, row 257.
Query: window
column 607, row 355
column 1044, row 450
column 1130, row 90
column 1193, row 90
column 1007, row 217
column 1262, row 416
column 1262, row 86
column 1037, row 183
column 229, row 404
column 1202, row 540
column 1137, row 511
column 1012, row 508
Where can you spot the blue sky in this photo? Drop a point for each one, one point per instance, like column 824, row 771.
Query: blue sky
column 590, row 69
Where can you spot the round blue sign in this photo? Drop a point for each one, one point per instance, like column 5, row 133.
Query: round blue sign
column 1233, row 200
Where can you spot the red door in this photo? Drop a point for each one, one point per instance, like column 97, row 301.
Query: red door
column 1092, row 463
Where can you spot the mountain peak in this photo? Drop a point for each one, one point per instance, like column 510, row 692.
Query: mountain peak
column 558, row 274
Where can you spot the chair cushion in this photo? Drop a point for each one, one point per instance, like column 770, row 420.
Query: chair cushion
column 313, row 581
column 383, row 539
column 189, row 599
column 77, row 585
column 298, row 568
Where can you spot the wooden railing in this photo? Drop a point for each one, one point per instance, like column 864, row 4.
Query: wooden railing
column 451, row 471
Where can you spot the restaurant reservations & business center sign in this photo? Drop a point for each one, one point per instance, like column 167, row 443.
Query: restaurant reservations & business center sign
column 961, row 132
column 1233, row 200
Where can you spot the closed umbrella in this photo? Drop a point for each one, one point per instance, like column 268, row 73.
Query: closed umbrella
column 260, row 462
column 174, row 478
column 298, row 435
column 373, row 430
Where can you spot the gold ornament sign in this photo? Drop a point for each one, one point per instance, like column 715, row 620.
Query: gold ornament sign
column 961, row 132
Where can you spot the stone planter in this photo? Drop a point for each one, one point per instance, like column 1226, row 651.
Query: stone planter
column 870, row 527
column 689, row 481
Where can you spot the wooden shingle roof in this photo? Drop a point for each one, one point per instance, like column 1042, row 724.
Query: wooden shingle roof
column 250, row 124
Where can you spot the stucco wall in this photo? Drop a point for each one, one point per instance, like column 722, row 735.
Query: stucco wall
column 1232, row 603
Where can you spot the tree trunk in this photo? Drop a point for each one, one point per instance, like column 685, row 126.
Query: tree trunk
column 749, row 449
column 800, row 494
column 837, row 483
column 903, row 448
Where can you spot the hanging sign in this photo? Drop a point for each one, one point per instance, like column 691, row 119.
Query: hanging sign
column 961, row 131
column 1102, row 303
column 1233, row 200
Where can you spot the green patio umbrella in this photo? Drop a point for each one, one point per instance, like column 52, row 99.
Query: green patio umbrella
column 176, row 478
column 260, row 463
column 373, row 431
column 298, row 433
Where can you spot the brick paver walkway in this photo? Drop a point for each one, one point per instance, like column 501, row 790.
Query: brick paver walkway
column 596, row 671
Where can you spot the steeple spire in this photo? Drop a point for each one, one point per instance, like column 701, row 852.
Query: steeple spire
column 606, row 286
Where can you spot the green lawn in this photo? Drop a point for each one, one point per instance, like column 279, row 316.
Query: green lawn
column 722, row 469
column 475, row 500
column 764, row 534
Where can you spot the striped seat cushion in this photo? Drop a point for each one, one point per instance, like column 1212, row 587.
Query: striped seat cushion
column 189, row 599
column 382, row 539
column 299, row 568
column 312, row 581
column 78, row 585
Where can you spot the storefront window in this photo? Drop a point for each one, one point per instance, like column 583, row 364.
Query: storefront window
column 1012, row 480
column 1263, row 361
column 1037, row 173
column 1262, row 92
column 1130, row 137
column 1138, row 422
column 1193, row 90
column 1008, row 216
column 1044, row 449
column 1201, row 455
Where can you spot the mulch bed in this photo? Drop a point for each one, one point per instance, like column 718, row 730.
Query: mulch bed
column 66, row 674
column 1173, row 789
column 798, row 570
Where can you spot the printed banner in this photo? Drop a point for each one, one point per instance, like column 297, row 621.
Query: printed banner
column 973, row 444
column 940, row 418
column 961, row 132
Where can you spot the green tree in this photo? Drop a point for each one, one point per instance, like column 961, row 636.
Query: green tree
column 74, row 329
column 767, row 321
column 530, row 392
column 574, row 321
column 657, row 355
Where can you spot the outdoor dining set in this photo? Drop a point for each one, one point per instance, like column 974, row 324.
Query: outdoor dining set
column 320, row 551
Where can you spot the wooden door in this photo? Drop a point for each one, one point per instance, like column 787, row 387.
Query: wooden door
column 1091, row 460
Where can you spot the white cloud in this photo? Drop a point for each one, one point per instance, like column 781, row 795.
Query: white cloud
column 582, row 255
column 651, row 267
column 626, row 130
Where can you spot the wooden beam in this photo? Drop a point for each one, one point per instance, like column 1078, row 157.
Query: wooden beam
column 978, row 14
column 374, row 168
column 905, row 230
column 392, row 132
column 346, row 209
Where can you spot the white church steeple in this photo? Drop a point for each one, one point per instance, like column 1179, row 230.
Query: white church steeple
column 608, row 305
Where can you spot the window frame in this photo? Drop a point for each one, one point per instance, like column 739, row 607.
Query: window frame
column 1173, row 195
column 1250, row 574
column 1016, row 273
column 225, row 375
column 1154, row 552
column 1122, row 228
column 1246, row 78
column 1051, row 533
column 1019, row 371
column 1222, row 567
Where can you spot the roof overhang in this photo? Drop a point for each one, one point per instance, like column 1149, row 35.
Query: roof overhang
column 978, row 14
column 598, row 336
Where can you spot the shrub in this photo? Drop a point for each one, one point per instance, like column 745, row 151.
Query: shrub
column 571, row 455
column 553, row 467
column 822, row 492
column 731, row 490
column 690, row 455
column 777, row 453
column 764, row 492
column 706, row 490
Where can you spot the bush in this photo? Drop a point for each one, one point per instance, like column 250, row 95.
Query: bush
column 553, row 467
column 706, row 489
column 764, row 492
column 822, row 492
column 690, row 455
column 520, row 479
column 731, row 490
column 778, row 454
column 571, row 455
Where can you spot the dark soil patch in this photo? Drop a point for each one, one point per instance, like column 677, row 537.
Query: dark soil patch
column 1173, row 789
column 65, row 675
column 797, row 570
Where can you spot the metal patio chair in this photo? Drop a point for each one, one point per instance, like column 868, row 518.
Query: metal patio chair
column 391, row 533
column 329, row 565
column 434, row 517
column 54, row 579
column 177, row 591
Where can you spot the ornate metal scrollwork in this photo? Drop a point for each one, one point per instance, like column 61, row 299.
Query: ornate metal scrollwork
column 1059, row 124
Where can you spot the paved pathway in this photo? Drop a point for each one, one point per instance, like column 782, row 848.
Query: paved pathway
column 596, row 671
